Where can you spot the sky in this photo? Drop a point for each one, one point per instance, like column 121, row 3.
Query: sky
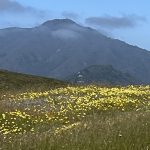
column 127, row 20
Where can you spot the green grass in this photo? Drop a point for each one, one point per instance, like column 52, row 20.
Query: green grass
column 16, row 81
column 45, row 114
column 104, row 131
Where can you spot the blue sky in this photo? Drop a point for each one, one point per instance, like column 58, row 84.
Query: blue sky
column 127, row 20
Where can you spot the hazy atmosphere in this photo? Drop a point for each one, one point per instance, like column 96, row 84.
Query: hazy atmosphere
column 74, row 75
column 126, row 20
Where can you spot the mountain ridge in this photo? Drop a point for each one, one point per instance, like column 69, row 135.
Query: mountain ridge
column 102, row 75
column 64, row 49
column 58, row 21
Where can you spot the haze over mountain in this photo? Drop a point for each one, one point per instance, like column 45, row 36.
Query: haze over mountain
column 61, row 47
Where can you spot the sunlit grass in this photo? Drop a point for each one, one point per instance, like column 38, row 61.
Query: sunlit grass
column 87, row 116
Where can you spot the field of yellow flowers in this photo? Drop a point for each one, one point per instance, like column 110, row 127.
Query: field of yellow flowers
column 76, row 117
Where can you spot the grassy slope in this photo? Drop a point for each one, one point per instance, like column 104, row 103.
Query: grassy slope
column 17, row 81
column 99, row 129
column 105, row 131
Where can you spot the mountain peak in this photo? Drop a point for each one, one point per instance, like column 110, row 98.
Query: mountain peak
column 59, row 22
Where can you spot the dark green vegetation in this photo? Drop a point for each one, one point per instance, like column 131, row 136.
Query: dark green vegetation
column 102, row 74
column 17, row 81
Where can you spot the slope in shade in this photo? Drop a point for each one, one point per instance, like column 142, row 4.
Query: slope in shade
column 17, row 81
column 103, row 75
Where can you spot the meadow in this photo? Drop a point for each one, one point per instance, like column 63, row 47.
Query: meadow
column 76, row 118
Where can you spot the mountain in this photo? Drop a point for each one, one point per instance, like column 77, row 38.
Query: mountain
column 61, row 47
column 16, row 81
column 102, row 74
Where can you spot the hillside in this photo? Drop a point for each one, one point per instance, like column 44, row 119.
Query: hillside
column 102, row 74
column 60, row 47
column 14, row 81
column 76, row 118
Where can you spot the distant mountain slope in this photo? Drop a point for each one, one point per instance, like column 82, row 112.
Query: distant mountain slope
column 60, row 47
column 11, row 80
column 102, row 74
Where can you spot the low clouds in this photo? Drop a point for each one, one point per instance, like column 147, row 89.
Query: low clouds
column 12, row 6
column 65, row 34
column 112, row 22
column 13, row 13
